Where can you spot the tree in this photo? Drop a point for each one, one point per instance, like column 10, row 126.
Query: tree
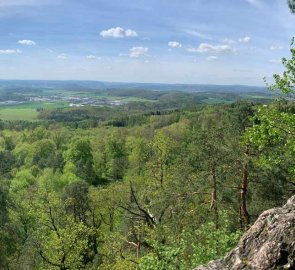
column 80, row 154
column 116, row 156
column 9, row 143
column 273, row 131
column 291, row 4
column 60, row 241
column 138, row 156
column 77, row 204
column 43, row 153
column 7, row 161
column 161, row 156
column 208, row 154
column 239, row 116
column 6, row 247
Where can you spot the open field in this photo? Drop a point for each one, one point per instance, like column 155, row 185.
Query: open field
column 11, row 114
column 26, row 111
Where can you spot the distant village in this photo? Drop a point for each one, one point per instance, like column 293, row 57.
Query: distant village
column 73, row 101
column 76, row 101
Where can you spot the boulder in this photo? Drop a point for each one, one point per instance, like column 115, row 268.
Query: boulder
column 268, row 244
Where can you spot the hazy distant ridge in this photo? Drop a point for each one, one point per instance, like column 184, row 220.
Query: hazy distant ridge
column 95, row 85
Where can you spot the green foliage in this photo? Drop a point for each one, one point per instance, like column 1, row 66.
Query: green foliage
column 139, row 196
column 285, row 83
column 116, row 156
column 43, row 154
column 273, row 131
column 80, row 153
column 162, row 151
column 164, row 258
column 213, row 243
column 191, row 248
column 7, row 162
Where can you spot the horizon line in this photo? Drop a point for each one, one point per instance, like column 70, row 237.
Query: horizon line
column 133, row 82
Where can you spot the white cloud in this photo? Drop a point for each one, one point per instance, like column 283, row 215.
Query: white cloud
column 212, row 58
column 62, row 56
column 244, row 39
column 276, row 48
column 198, row 34
column 130, row 33
column 138, row 51
column 10, row 51
column 93, row 57
column 118, row 32
column 27, row 42
column 174, row 44
column 275, row 61
column 212, row 49
column 228, row 41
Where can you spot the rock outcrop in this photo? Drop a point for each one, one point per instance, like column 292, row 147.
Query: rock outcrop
column 268, row 244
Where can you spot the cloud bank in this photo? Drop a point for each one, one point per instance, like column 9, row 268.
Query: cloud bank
column 10, row 51
column 212, row 49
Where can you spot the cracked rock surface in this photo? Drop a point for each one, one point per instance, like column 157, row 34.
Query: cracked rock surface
column 269, row 244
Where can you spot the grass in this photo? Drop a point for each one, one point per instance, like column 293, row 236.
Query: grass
column 26, row 111
column 18, row 114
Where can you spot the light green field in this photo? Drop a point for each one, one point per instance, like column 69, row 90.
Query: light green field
column 26, row 111
column 18, row 114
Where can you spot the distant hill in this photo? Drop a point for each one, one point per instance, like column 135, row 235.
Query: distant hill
column 97, row 85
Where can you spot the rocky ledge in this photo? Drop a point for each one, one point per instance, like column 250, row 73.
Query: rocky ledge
column 269, row 244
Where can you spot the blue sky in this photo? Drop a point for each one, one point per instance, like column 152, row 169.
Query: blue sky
column 168, row 41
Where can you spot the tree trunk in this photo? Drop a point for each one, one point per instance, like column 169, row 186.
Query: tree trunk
column 244, row 215
column 214, row 205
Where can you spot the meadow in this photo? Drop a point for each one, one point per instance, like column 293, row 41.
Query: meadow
column 27, row 111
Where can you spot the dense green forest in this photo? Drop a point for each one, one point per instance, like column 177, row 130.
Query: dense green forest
column 169, row 189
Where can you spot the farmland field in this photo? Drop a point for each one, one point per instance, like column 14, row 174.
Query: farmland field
column 11, row 114
column 26, row 111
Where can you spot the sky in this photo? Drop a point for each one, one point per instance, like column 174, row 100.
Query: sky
column 164, row 41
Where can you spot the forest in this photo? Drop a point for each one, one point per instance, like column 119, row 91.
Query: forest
column 170, row 189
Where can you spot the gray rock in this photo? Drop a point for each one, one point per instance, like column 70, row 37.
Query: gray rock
column 269, row 244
